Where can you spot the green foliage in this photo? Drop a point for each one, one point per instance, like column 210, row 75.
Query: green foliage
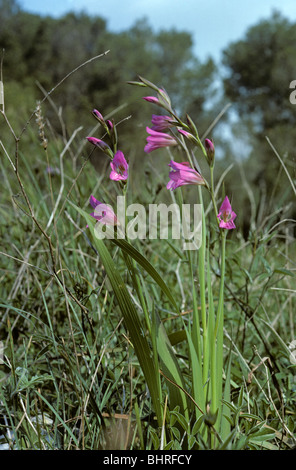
column 259, row 71
column 70, row 374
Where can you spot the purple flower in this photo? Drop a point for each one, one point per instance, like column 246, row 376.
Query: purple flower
column 157, row 140
column 183, row 174
column 103, row 212
column 160, row 123
column 226, row 215
column 119, row 167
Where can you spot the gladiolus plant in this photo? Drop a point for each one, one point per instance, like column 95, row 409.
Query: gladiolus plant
column 204, row 332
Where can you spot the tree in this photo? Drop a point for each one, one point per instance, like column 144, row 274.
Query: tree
column 258, row 72
column 44, row 50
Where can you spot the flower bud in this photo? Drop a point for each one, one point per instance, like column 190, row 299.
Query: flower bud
column 101, row 145
column 164, row 98
column 189, row 136
column 100, row 118
column 210, row 149
column 97, row 114
column 110, row 125
column 191, row 125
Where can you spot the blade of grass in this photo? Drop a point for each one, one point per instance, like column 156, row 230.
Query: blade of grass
column 58, row 417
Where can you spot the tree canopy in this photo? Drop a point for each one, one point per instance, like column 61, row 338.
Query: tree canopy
column 44, row 50
column 260, row 68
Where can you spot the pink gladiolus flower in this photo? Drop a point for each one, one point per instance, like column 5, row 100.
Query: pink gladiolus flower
column 103, row 213
column 119, row 167
column 160, row 123
column 183, row 174
column 226, row 215
column 157, row 140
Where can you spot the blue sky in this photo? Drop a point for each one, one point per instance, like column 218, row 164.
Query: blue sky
column 212, row 23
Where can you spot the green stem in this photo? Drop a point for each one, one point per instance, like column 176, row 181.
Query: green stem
column 202, row 286
column 212, row 193
column 217, row 341
column 220, row 311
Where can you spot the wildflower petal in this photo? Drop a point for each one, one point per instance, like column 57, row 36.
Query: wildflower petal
column 157, row 140
column 161, row 123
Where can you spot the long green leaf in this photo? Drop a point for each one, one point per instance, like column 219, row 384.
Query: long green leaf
column 225, row 414
column 170, row 366
column 139, row 258
column 197, row 377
